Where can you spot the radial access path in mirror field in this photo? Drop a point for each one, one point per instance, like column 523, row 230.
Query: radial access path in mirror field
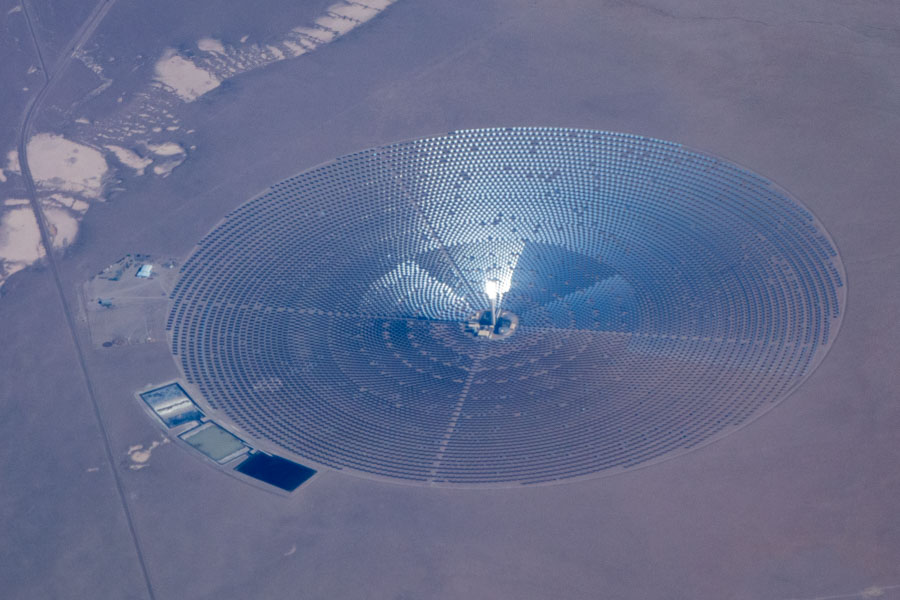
column 663, row 298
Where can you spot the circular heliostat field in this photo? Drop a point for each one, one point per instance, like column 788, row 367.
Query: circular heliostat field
column 655, row 299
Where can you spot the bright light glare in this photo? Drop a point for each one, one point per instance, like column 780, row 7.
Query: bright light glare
column 492, row 288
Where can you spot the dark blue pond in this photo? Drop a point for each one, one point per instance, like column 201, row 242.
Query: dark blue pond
column 274, row 470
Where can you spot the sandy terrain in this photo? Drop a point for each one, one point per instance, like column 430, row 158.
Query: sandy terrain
column 130, row 158
column 70, row 175
column 210, row 45
column 20, row 240
column 800, row 504
column 189, row 79
column 184, row 78
column 12, row 161
column 63, row 226
column 63, row 165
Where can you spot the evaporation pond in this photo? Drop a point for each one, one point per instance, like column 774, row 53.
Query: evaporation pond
column 275, row 470
column 214, row 442
column 172, row 405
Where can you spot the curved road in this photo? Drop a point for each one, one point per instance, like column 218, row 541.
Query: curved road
column 82, row 35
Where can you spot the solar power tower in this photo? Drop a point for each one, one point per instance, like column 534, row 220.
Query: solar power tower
column 653, row 299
